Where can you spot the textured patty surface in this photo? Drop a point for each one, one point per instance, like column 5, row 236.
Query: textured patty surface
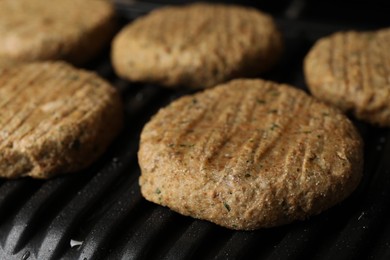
column 72, row 30
column 351, row 71
column 196, row 45
column 54, row 119
column 249, row 154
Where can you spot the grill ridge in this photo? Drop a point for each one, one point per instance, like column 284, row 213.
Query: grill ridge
column 27, row 219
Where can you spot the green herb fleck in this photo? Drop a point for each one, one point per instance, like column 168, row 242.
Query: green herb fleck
column 306, row 132
column 274, row 93
column 171, row 145
column 194, row 101
column 158, row 191
column 260, row 101
column 94, row 82
column 61, row 128
column 274, row 126
column 247, row 175
column 370, row 36
column 74, row 77
column 273, row 111
column 186, row 145
column 226, row 206
column 325, row 114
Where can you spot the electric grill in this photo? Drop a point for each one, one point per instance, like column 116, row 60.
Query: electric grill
column 100, row 214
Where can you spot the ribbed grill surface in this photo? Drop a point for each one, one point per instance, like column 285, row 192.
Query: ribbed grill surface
column 102, row 207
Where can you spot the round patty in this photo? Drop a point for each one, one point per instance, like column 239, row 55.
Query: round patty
column 351, row 71
column 72, row 30
column 54, row 119
column 196, row 45
column 249, row 154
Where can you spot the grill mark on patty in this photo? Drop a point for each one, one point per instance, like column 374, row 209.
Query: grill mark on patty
column 17, row 84
column 344, row 66
column 209, row 132
column 62, row 97
column 262, row 152
column 40, row 97
column 348, row 65
column 245, row 113
column 193, row 119
column 25, row 95
column 331, row 57
column 275, row 126
column 193, row 36
column 20, row 118
column 234, row 127
column 217, row 137
column 81, row 95
column 296, row 157
column 384, row 54
column 365, row 77
column 366, row 61
column 259, row 192
column 61, row 115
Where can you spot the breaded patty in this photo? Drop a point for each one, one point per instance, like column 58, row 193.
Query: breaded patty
column 71, row 30
column 54, row 119
column 351, row 71
column 249, row 154
column 197, row 45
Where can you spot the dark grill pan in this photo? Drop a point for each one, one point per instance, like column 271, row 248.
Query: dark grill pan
column 102, row 208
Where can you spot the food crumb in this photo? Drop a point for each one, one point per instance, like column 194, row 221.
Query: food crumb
column 361, row 215
column 226, row 206
column 74, row 243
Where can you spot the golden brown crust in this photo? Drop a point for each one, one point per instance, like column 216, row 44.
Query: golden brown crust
column 351, row 71
column 71, row 30
column 54, row 119
column 196, row 45
column 249, row 154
